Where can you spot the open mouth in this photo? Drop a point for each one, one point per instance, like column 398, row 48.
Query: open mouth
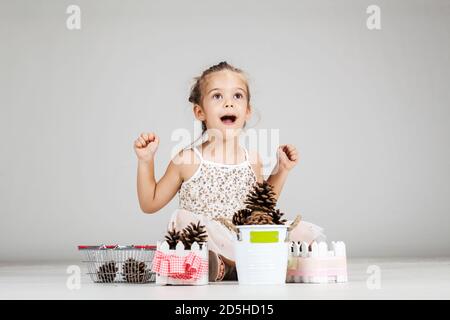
column 228, row 119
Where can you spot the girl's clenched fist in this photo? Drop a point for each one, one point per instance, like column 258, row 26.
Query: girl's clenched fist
column 146, row 145
column 287, row 156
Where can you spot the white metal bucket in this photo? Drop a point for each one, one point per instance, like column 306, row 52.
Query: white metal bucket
column 261, row 254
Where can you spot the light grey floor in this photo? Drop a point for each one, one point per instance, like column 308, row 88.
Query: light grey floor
column 399, row 279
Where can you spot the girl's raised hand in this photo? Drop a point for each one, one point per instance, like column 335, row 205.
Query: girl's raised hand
column 287, row 156
column 145, row 146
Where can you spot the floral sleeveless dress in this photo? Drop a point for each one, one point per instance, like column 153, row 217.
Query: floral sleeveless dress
column 218, row 190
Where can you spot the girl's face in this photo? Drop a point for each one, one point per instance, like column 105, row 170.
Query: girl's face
column 224, row 102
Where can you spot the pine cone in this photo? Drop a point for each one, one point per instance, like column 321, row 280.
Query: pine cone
column 259, row 207
column 241, row 216
column 135, row 271
column 193, row 233
column 259, row 217
column 107, row 272
column 276, row 217
column 172, row 237
column 261, row 198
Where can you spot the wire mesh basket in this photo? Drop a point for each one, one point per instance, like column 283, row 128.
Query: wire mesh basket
column 124, row 264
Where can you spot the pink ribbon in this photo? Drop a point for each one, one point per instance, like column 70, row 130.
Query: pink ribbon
column 325, row 266
column 191, row 266
column 317, row 273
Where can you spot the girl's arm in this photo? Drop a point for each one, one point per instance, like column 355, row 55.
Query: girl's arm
column 287, row 158
column 154, row 195
column 277, row 180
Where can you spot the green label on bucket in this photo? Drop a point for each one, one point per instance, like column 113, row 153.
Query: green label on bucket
column 263, row 236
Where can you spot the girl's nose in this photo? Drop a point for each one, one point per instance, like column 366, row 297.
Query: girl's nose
column 228, row 105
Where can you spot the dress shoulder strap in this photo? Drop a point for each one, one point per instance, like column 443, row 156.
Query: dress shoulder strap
column 246, row 153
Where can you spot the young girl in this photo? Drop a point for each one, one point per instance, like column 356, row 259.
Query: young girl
column 214, row 178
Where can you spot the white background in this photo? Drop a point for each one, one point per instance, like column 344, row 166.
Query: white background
column 368, row 111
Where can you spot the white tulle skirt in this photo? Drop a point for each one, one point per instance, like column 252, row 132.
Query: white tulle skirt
column 220, row 238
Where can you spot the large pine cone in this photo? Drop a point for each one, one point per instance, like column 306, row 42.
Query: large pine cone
column 276, row 216
column 259, row 207
column 194, row 233
column 261, row 198
column 107, row 272
column 135, row 271
column 240, row 217
column 259, row 217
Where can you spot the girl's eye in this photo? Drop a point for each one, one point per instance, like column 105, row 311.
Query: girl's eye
column 218, row 95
